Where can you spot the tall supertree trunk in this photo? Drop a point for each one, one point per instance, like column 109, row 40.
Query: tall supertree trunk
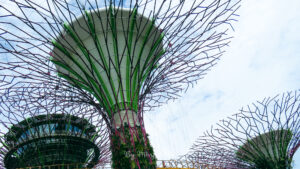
column 115, row 56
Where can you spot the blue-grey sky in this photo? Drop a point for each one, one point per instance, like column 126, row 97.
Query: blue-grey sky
column 262, row 60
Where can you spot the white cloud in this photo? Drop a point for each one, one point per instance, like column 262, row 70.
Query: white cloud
column 262, row 60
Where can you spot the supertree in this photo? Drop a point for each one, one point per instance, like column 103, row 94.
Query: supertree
column 264, row 135
column 120, row 57
column 37, row 130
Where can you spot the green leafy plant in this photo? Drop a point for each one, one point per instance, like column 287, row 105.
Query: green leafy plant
column 124, row 156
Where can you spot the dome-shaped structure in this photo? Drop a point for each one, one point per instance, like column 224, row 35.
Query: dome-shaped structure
column 263, row 135
column 121, row 57
column 109, row 53
column 50, row 140
column 270, row 147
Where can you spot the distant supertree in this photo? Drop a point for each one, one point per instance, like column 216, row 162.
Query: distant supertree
column 265, row 135
column 120, row 57
column 37, row 130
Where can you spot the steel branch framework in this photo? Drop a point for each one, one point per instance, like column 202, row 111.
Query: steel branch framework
column 120, row 57
column 38, row 129
column 194, row 34
column 262, row 135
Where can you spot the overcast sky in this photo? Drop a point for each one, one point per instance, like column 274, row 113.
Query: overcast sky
column 262, row 60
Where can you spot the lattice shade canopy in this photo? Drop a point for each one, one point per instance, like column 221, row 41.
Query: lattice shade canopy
column 268, row 147
column 109, row 53
column 51, row 139
column 262, row 135
column 116, row 58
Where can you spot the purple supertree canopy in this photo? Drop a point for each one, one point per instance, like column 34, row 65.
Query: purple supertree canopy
column 194, row 35
column 265, row 134
column 120, row 57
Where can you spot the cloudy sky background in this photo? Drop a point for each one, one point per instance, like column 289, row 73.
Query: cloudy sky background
column 262, row 61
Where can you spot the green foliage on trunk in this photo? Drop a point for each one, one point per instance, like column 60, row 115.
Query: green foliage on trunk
column 125, row 155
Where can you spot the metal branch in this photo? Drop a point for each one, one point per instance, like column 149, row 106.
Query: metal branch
column 262, row 135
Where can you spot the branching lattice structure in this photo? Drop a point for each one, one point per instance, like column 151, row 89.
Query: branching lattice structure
column 120, row 57
column 266, row 134
column 38, row 129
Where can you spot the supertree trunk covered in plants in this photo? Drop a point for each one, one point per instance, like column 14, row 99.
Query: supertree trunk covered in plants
column 120, row 57
column 264, row 135
column 39, row 129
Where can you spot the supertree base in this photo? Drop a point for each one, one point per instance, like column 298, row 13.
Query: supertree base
column 138, row 154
